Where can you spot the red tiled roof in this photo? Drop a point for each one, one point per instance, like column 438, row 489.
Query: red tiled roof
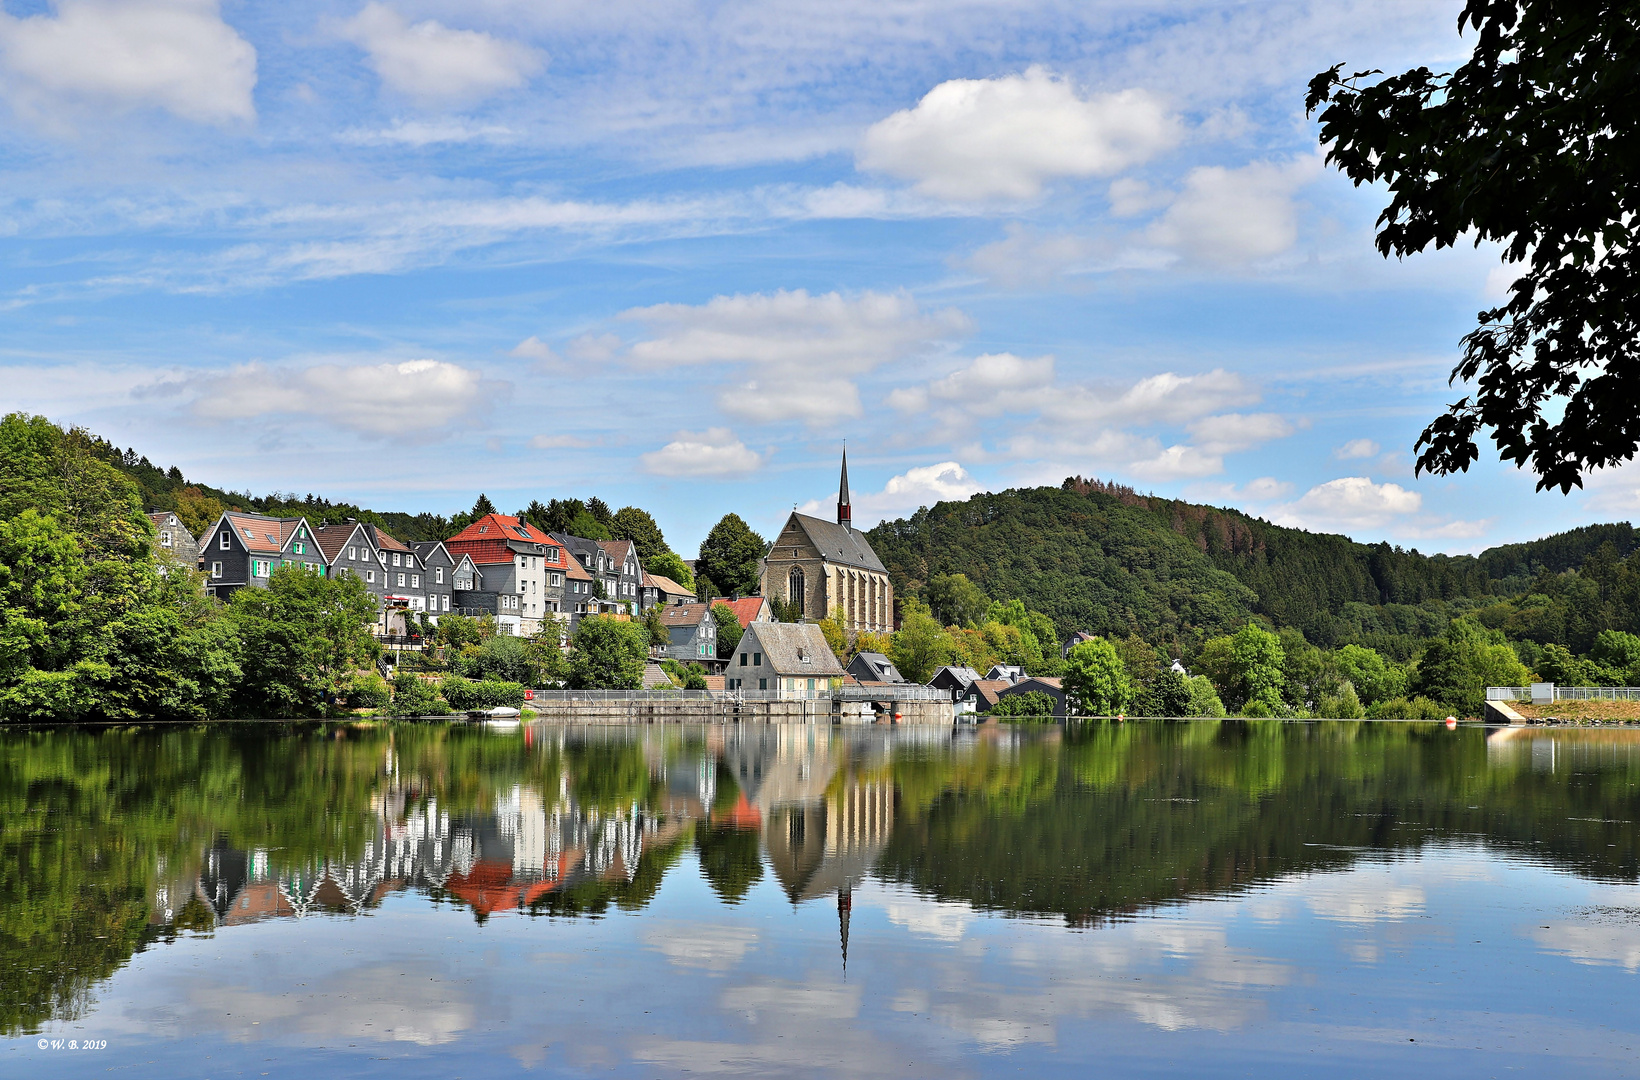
column 261, row 534
column 391, row 543
column 746, row 608
column 332, row 538
column 486, row 540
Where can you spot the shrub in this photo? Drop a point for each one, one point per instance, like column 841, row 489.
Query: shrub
column 368, row 692
column 464, row 695
column 1419, row 708
column 1031, row 705
column 413, row 696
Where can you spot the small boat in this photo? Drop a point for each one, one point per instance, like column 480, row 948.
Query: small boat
column 501, row 713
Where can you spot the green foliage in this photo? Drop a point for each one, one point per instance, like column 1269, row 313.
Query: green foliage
column 588, row 527
column 659, row 635
column 956, row 601
column 368, row 692
column 729, row 556
column 669, row 565
column 728, row 630
column 920, row 645
column 1031, row 705
column 458, row 631
column 303, row 637
column 413, row 696
column 1204, row 699
column 608, row 654
column 1455, row 670
column 1373, row 678
column 1419, row 708
column 463, row 695
column 1518, row 146
column 1096, row 681
column 505, row 658
column 786, row 611
column 638, row 526
column 1170, row 695
column 731, row 860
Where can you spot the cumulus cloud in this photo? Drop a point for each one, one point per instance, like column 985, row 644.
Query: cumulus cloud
column 1163, row 398
column 801, row 350
column 923, row 486
column 176, row 55
column 1350, row 502
column 976, row 139
column 375, row 399
column 1356, row 449
column 434, row 64
column 714, row 452
column 1232, row 216
column 1026, row 257
column 1261, row 489
column 1233, row 432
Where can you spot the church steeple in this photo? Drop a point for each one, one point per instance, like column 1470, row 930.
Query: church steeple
column 845, row 513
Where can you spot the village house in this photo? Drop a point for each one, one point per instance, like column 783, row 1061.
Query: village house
column 513, row 559
column 1054, row 688
column 626, row 579
column 243, row 550
column 660, row 591
column 747, row 609
column 693, row 633
column 601, row 593
column 874, row 667
column 955, row 680
column 829, row 570
column 438, row 567
column 788, row 661
column 172, row 538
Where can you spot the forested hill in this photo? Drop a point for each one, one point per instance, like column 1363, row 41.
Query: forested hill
column 1103, row 558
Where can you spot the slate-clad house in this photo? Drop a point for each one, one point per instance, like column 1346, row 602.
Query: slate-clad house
column 955, row 680
column 626, row 574
column 513, row 559
column 439, row 570
column 874, row 667
column 392, row 571
column 607, row 568
column 659, row 591
column 693, row 631
column 243, row 550
column 172, row 538
column 1054, row 688
column 784, row 660
column 830, row 570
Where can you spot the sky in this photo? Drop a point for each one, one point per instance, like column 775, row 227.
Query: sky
column 676, row 254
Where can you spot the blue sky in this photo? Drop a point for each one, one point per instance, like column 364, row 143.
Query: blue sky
column 676, row 253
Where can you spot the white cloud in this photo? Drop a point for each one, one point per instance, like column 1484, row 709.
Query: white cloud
column 712, row 948
column 420, row 133
column 972, row 139
column 1163, row 398
column 593, row 348
column 1026, row 257
column 922, row 486
column 1232, row 216
column 714, row 452
column 1233, row 432
column 559, row 442
column 1356, row 449
column 176, row 55
column 1350, row 502
column 801, row 350
column 1261, row 489
column 434, row 64
column 533, row 348
column 415, row 396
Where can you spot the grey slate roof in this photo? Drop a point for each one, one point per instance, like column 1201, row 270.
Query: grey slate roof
column 786, row 644
column 874, row 667
column 837, row 544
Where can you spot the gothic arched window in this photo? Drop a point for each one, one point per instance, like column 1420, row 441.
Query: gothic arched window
column 795, row 591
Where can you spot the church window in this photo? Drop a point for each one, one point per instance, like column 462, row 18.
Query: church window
column 795, row 591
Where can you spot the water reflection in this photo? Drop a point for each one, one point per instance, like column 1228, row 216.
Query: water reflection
column 113, row 843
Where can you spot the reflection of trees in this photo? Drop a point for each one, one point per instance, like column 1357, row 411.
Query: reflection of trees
column 731, row 858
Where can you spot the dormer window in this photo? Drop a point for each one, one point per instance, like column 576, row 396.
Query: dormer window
column 482, row 529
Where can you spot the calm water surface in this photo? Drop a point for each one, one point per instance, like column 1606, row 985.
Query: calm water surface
column 1203, row 899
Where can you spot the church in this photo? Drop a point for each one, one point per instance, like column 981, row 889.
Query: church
column 830, row 570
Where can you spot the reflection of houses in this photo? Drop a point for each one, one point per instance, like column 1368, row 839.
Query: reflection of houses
column 816, row 850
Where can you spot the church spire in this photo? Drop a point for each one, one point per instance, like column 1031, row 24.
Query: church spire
column 845, row 905
column 845, row 513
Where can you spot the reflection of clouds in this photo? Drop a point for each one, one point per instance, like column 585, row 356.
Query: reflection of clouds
column 382, row 1003
column 947, row 922
column 714, row 948
column 1600, row 943
column 1361, row 902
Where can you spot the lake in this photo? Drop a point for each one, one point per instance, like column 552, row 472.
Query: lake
column 1196, row 898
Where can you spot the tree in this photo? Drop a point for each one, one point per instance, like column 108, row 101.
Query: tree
column 956, row 601
column 659, row 635
column 1257, row 658
column 304, row 636
column 609, row 654
column 1096, row 681
column 631, row 523
column 1530, row 144
column 920, row 645
column 730, row 554
column 1456, row 668
column 601, row 514
column 728, row 630
column 1031, row 705
column 667, row 564
column 730, row 859
column 1374, row 679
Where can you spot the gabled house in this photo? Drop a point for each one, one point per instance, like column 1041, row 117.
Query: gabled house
column 626, row 574
column 790, row 661
column 659, row 591
column 693, row 633
column 602, row 593
column 1006, row 672
column 243, row 550
column 173, row 540
column 748, row 609
column 514, row 559
column 983, row 693
column 391, row 570
column 874, row 667
column 438, row 568
column 954, row 680
column 1054, row 688
column 1074, row 640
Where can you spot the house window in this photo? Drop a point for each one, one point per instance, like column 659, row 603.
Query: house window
column 216, row 570
column 446, row 603
column 811, row 684
column 757, row 659
column 763, row 684
column 353, row 553
column 225, row 539
column 165, row 538
column 415, row 581
column 401, row 581
column 370, row 576
column 297, row 549
column 396, row 559
column 742, row 659
column 438, row 575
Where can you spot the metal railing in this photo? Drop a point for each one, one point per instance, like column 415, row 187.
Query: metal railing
column 659, row 694
column 907, row 692
column 1551, row 692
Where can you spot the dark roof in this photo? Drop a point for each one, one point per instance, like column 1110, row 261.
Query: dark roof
column 424, row 548
column 786, row 645
column 875, row 667
column 839, row 544
column 951, row 676
column 985, row 691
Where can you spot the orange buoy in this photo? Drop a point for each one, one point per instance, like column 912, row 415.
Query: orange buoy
column 1451, row 723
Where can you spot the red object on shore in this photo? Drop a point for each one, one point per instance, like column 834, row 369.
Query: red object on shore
column 1451, row 723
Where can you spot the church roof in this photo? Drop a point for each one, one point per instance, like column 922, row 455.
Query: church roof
column 840, row 544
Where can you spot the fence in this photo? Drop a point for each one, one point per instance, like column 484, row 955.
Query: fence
column 674, row 694
column 1545, row 692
